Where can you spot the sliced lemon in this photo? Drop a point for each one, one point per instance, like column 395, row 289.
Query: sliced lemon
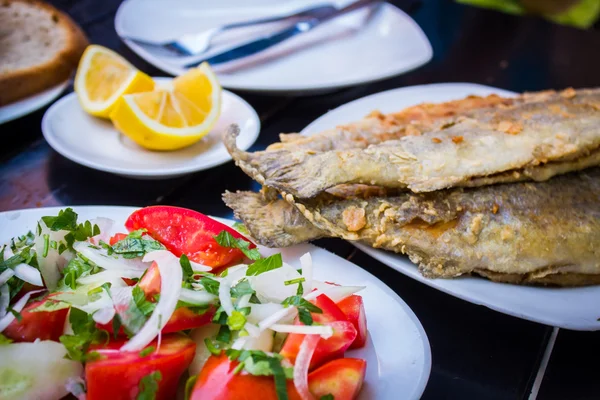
column 174, row 116
column 103, row 77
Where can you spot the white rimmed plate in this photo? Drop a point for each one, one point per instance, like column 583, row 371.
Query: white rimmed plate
column 356, row 48
column 570, row 308
column 30, row 104
column 95, row 143
column 397, row 352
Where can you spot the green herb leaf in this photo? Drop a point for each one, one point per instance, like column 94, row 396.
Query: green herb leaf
column 149, row 386
column 259, row 363
column 242, row 288
column 280, row 378
column 264, row 265
column 76, row 268
column 305, row 316
column 4, row 340
column 138, row 312
column 226, row 239
column 14, row 312
column 241, row 228
column 134, row 246
column 224, row 335
column 299, row 301
column 66, row 220
column 84, row 334
column 327, row 397
column 236, row 320
column 212, row 347
column 210, row 285
column 147, row 351
column 184, row 261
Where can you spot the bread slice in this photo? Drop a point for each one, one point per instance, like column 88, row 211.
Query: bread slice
column 40, row 47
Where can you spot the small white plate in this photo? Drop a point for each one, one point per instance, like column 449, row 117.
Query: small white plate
column 397, row 352
column 95, row 143
column 30, row 104
column 360, row 47
column 569, row 308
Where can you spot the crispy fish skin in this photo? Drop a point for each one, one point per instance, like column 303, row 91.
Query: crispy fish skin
column 377, row 127
column 535, row 140
column 541, row 233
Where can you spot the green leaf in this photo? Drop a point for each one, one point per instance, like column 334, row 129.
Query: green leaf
column 224, row 335
column 138, row 312
column 134, row 246
column 242, row 288
column 84, row 334
column 241, row 228
column 184, row 261
column 210, row 285
column 147, row 351
column 76, row 268
column 236, row 320
column 15, row 313
column 305, row 316
column 66, row 220
column 149, row 386
column 226, row 239
column 259, row 363
column 280, row 378
column 300, row 290
column 212, row 347
column 4, row 340
column 264, row 265
column 327, row 397
column 299, row 301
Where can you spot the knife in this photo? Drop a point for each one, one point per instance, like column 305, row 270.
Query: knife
column 271, row 40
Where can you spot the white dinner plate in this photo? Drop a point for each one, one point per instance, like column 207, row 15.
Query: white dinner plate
column 397, row 352
column 360, row 47
column 570, row 308
column 30, row 104
column 95, row 143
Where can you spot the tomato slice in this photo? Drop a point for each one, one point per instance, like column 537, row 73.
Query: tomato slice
column 188, row 232
column 43, row 325
column 218, row 381
column 327, row 349
column 150, row 282
column 354, row 309
column 116, row 375
column 343, row 378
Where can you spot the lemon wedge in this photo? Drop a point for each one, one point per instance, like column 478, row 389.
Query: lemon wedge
column 174, row 116
column 103, row 77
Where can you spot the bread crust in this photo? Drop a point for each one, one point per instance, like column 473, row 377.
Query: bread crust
column 26, row 82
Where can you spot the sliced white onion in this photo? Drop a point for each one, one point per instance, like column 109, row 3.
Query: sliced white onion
column 18, row 307
column 199, row 267
column 252, row 330
column 270, row 286
column 307, row 271
column 263, row 342
column 76, row 386
column 233, row 275
column 335, row 292
column 198, row 335
column 323, row 330
column 197, row 297
column 52, row 264
column 244, row 301
column 105, row 301
column 104, row 315
column 258, row 312
column 29, row 274
column 6, row 275
column 105, row 225
column 305, row 353
column 4, row 299
column 101, row 258
column 109, row 276
column 239, row 343
column 171, row 276
column 285, row 312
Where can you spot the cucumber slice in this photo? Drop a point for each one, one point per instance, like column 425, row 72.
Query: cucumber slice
column 35, row 371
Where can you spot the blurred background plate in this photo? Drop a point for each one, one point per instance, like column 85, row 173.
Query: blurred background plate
column 364, row 46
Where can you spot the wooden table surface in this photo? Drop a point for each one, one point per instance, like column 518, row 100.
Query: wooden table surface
column 477, row 353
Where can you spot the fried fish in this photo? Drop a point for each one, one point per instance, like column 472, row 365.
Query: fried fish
column 550, row 134
column 530, row 232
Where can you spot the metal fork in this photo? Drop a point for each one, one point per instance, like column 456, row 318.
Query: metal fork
column 197, row 43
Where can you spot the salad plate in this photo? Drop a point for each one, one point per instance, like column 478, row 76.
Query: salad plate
column 397, row 350
column 95, row 143
column 569, row 308
column 361, row 47
column 30, row 104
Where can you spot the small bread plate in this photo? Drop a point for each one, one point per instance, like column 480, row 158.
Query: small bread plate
column 95, row 143
column 569, row 308
column 30, row 104
column 397, row 352
column 363, row 46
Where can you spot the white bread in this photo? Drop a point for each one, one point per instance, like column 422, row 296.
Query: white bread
column 40, row 47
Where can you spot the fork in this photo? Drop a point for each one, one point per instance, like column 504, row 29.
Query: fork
column 197, row 43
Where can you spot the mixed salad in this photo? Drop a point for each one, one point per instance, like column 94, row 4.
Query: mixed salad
column 180, row 306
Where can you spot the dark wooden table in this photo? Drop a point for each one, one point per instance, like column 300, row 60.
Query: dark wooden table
column 477, row 353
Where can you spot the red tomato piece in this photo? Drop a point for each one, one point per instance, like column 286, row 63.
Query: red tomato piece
column 117, row 238
column 183, row 318
column 188, row 232
column 116, row 375
column 150, row 282
column 354, row 309
column 327, row 349
column 45, row 325
column 343, row 378
column 217, row 381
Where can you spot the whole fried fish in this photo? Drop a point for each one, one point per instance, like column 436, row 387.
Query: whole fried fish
column 543, row 232
column 377, row 127
column 550, row 134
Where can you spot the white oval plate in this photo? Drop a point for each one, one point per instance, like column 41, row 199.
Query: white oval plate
column 95, row 143
column 397, row 352
column 30, row 104
column 570, row 308
column 356, row 48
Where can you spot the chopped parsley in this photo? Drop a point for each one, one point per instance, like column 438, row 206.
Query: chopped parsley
column 84, row 334
column 66, row 220
column 134, row 245
column 236, row 321
column 210, row 285
column 242, row 288
column 188, row 272
column 138, row 312
column 304, row 308
column 76, row 268
column 149, row 386
column 264, row 265
column 226, row 239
